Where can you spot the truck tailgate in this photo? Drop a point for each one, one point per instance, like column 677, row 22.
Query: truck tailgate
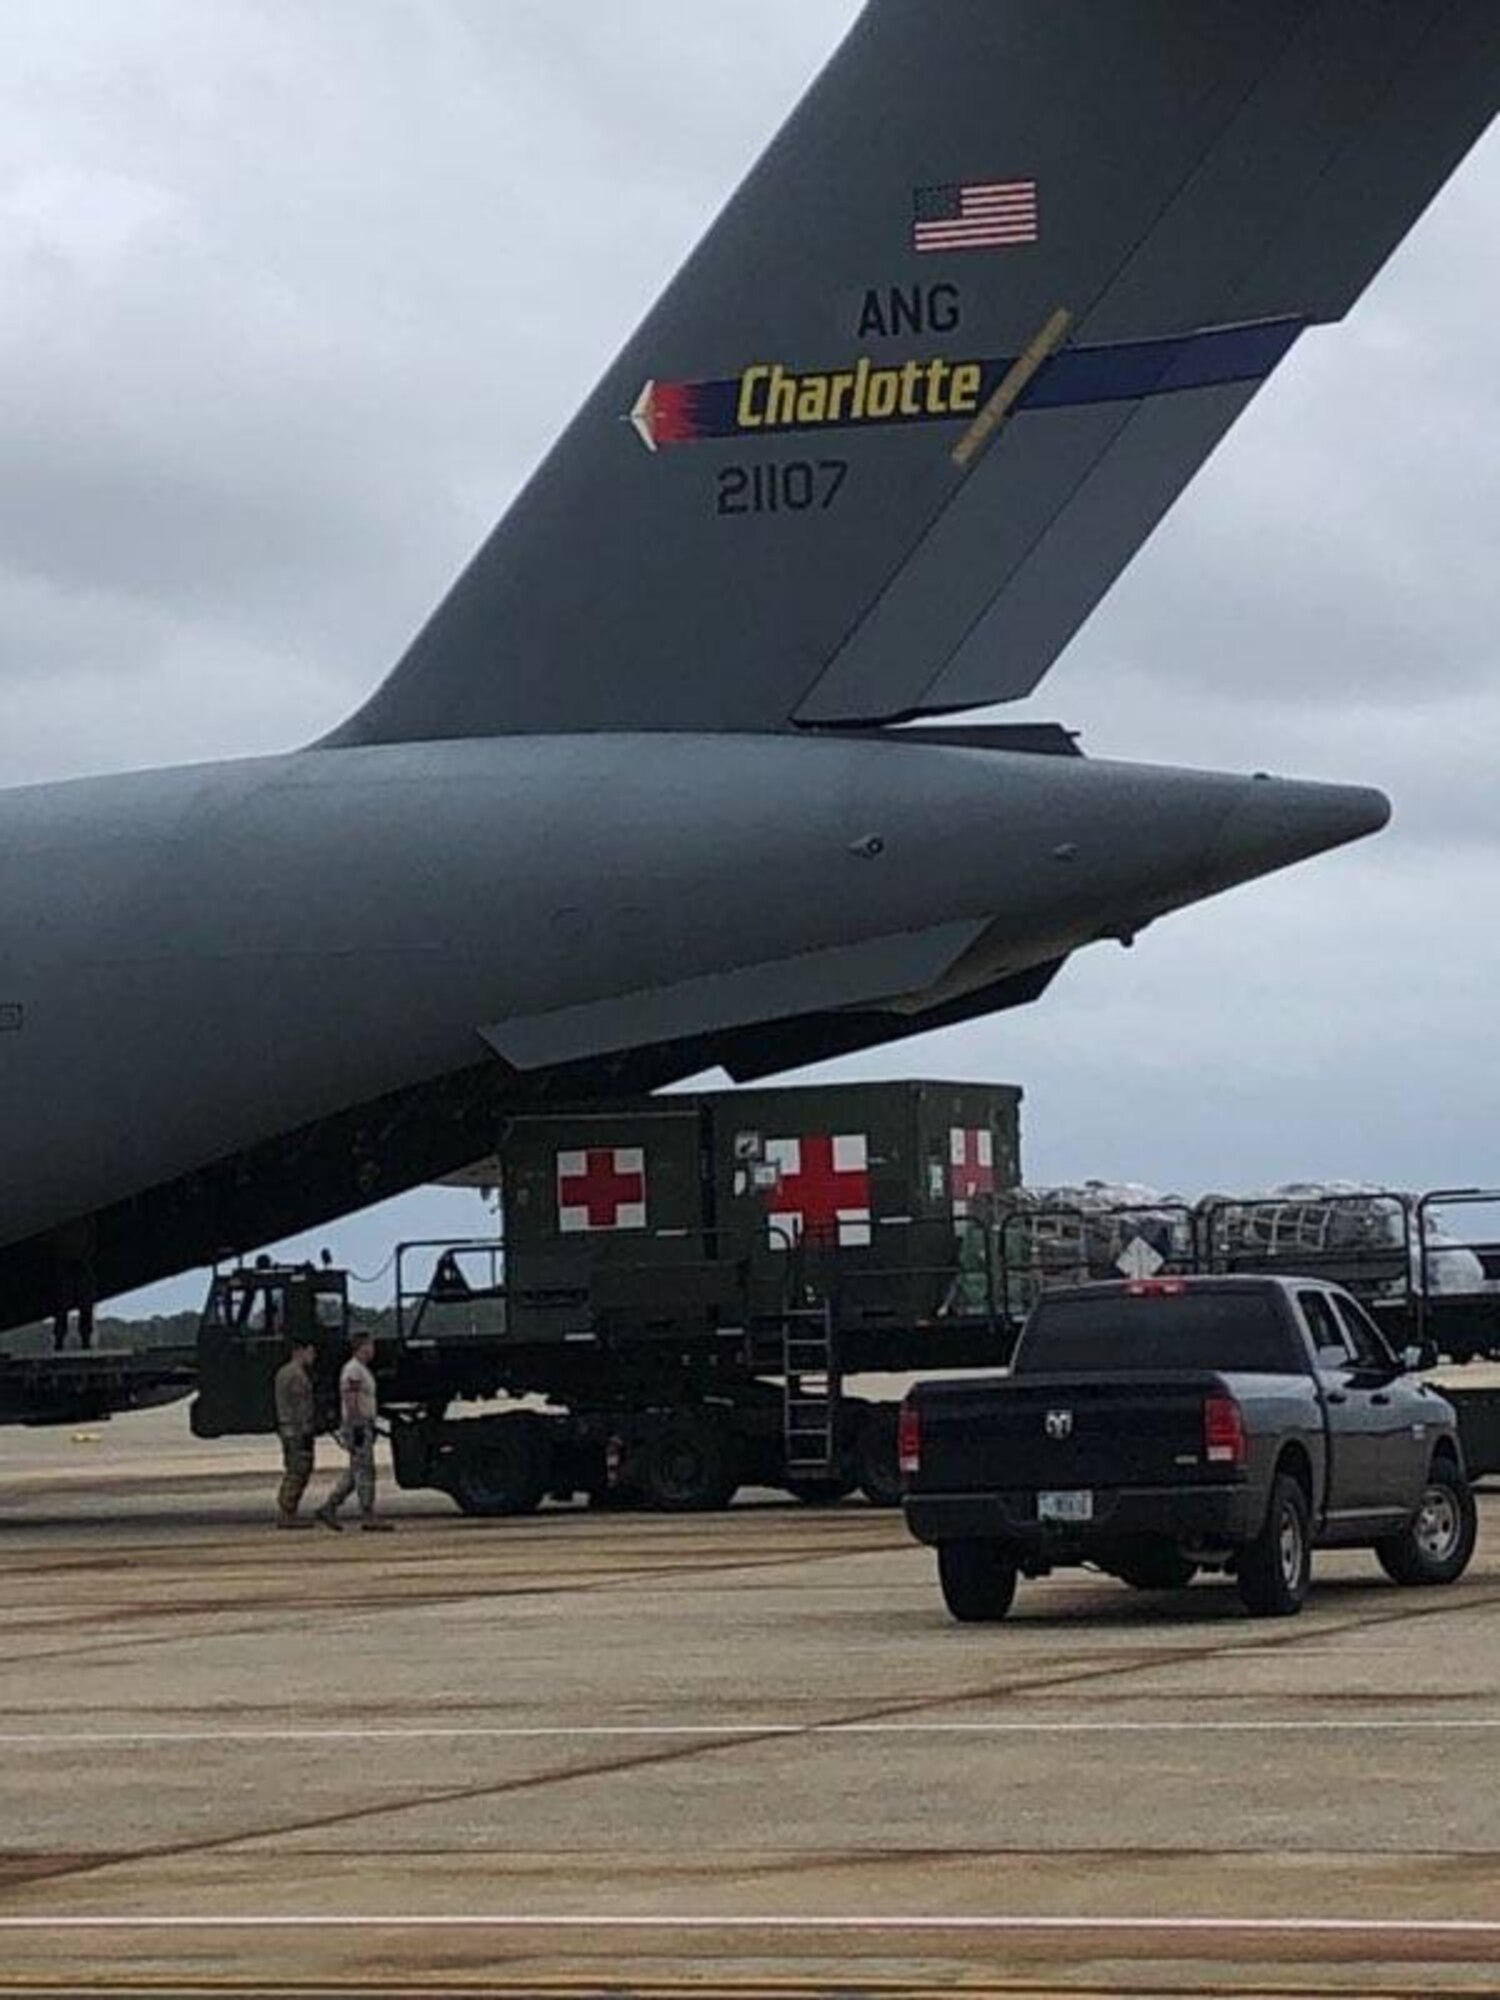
column 1038, row 1432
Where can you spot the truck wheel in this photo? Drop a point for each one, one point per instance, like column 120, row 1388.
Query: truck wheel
column 503, row 1469
column 875, row 1456
column 978, row 1580
column 1157, row 1569
column 690, row 1466
column 1276, row 1568
column 1437, row 1542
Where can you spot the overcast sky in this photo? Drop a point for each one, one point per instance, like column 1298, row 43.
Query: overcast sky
column 296, row 293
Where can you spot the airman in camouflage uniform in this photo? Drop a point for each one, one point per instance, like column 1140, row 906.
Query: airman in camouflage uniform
column 297, row 1426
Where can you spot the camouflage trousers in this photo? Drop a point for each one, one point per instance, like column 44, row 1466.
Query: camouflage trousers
column 358, row 1476
column 297, row 1469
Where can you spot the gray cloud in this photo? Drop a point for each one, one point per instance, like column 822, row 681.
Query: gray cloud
column 297, row 295
column 1339, row 550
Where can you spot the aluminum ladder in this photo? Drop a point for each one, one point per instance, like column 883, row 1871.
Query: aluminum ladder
column 810, row 1392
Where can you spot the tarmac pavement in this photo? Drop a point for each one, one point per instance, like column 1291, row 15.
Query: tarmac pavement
column 742, row 1752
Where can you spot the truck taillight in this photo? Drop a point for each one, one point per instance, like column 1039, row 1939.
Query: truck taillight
column 1223, row 1431
column 909, row 1440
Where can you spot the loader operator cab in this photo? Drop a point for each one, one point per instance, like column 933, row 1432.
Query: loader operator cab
column 253, row 1316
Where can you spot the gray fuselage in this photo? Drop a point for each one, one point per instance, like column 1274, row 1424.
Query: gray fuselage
column 205, row 957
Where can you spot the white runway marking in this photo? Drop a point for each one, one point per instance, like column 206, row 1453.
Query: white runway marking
column 125, row 1739
column 1479, row 1929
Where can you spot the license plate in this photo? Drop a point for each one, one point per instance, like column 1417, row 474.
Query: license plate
column 1076, row 1506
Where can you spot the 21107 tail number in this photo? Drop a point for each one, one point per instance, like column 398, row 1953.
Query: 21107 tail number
column 799, row 486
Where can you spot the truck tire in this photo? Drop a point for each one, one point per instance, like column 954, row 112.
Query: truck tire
column 1437, row 1542
column 503, row 1468
column 978, row 1580
column 875, row 1457
column 1275, row 1569
column 1163, row 1568
column 689, row 1465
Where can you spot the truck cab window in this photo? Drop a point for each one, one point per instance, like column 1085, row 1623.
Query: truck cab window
column 1369, row 1350
column 1328, row 1336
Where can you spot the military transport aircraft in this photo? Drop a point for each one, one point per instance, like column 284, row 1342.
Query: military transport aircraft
column 633, row 803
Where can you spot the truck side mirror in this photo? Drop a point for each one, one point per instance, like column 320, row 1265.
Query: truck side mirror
column 1417, row 1357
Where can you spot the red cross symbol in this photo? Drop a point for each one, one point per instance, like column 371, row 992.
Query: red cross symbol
column 824, row 1188
column 971, row 1166
column 603, row 1188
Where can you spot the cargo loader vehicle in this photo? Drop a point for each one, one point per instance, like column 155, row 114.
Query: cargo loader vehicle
column 686, row 1289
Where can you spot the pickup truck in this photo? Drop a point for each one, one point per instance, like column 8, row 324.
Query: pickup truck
column 1156, row 1428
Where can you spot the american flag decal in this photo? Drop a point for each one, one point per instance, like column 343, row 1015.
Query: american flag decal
column 975, row 215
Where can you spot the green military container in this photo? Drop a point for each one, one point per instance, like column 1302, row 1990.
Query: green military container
column 607, row 1222
column 863, row 1191
column 693, row 1214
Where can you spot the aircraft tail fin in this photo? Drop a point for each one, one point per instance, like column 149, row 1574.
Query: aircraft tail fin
column 999, row 286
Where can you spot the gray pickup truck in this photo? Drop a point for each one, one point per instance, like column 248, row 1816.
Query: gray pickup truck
column 1158, row 1428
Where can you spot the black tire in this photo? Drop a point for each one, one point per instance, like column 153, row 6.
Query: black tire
column 978, row 1580
column 690, row 1465
column 1275, row 1570
column 503, row 1469
column 1436, row 1544
column 875, row 1457
column 1163, row 1568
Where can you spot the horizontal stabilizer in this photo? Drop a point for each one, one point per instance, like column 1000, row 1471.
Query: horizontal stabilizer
column 1001, row 284
column 884, row 968
column 777, row 1046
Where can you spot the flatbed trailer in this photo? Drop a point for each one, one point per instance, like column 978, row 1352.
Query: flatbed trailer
column 92, row 1384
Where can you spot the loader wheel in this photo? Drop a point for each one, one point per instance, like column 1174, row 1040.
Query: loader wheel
column 879, row 1471
column 1276, row 1568
column 690, row 1465
column 1437, row 1542
column 978, row 1580
column 503, row 1469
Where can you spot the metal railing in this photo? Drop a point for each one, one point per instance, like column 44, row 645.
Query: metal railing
column 1045, row 1247
column 1364, row 1240
column 461, row 1296
column 1457, row 1276
column 985, row 1271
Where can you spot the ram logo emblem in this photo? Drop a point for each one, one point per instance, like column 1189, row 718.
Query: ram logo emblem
column 1059, row 1423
